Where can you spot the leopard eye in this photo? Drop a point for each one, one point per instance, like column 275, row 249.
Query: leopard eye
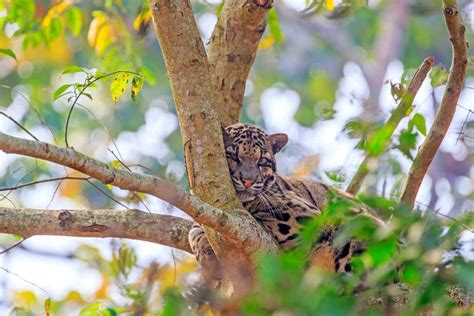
column 264, row 163
column 232, row 156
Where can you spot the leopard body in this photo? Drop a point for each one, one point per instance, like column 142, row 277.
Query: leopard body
column 280, row 204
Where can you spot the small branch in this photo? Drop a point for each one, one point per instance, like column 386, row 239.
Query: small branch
column 397, row 115
column 23, row 185
column 447, row 107
column 133, row 224
column 18, row 124
column 15, row 244
column 232, row 50
column 87, row 83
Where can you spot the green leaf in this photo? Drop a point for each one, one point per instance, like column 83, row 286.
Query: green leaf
column 55, row 28
column 59, row 91
column 274, row 26
column 8, row 52
column 74, row 17
column 219, row 8
column 377, row 142
column 137, row 84
column 419, row 121
column 335, row 176
column 438, row 76
column 407, row 141
column 73, row 69
column 97, row 309
column 118, row 85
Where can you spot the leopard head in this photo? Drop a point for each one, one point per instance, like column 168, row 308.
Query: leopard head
column 251, row 158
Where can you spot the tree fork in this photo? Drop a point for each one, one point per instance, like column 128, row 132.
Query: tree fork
column 447, row 108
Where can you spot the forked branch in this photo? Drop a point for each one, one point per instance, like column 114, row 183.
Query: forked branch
column 447, row 107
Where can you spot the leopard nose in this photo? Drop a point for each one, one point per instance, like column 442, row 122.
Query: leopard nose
column 247, row 183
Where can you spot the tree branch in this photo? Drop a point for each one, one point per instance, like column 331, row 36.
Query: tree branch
column 188, row 72
column 238, row 226
column 397, row 115
column 123, row 179
column 132, row 224
column 447, row 107
column 232, row 50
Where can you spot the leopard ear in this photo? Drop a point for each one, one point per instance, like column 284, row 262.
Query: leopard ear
column 226, row 137
column 278, row 141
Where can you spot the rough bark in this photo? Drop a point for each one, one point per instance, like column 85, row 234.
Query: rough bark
column 232, row 50
column 397, row 115
column 447, row 107
column 209, row 179
column 133, row 224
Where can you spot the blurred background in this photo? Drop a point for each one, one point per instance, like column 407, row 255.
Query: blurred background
column 326, row 73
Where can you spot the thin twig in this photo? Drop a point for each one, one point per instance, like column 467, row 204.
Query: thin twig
column 16, row 187
column 126, row 167
column 18, row 124
column 17, row 243
column 42, row 120
column 87, row 85
column 106, row 194
column 24, row 280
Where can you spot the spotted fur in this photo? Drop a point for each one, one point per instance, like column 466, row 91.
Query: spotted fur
column 281, row 204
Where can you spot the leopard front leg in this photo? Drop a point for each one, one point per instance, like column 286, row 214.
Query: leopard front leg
column 205, row 256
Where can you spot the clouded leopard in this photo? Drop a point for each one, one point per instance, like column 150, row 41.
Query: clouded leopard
column 280, row 204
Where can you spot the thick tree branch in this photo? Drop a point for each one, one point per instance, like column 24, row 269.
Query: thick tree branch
column 188, row 71
column 397, row 115
column 447, row 107
column 190, row 79
column 240, row 226
column 132, row 224
column 232, row 50
column 206, row 164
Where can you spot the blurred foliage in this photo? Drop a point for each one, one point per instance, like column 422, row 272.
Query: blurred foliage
column 55, row 55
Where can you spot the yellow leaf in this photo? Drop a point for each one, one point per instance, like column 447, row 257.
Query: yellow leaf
column 24, row 298
column 267, row 42
column 55, row 11
column 329, row 5
column 142, row 18
column 76, row 297
column 102, row 32
column 70, row 188
column 116, row 164
column 99, row 19
column 169, row 274
column 118, row 85
column 47, row 307
column 103, row 290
